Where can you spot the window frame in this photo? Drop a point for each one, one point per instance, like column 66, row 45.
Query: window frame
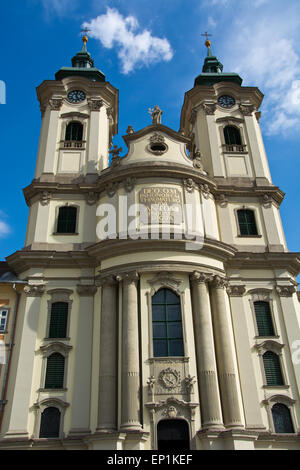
column 284, row 400
column 59, row 295
column 263, row 295
column 5, row 329
column 276, row 348
column 40, row 407
column 48, row 350
column 73, row 122
column 258, row 229
column 58, row 207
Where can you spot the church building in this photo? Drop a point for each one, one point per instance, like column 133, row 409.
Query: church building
column 158, row 307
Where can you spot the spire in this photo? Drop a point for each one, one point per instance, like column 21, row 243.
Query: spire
column 82, row 65
column 212, row 70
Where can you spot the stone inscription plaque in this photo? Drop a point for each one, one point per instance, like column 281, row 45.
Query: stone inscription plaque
column 163, row 204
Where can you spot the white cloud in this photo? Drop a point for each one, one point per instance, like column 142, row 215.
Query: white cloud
column 135, row 49
column 59, row 7
column 5, row 229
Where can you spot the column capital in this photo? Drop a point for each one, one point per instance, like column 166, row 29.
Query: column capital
column 219, row 282
column 34, row 290
column 200, row 277
column 236, row 291
column 55, row 104
column 106, row 281
column 86, row 290
column 285, row 291
column 129, row 278
column 95, row 104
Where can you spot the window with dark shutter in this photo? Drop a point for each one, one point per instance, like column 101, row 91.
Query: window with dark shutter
column 58, row 320
column 50, row 422
column 55, row 371
column 74, row 131
column 282, row 419
column 67, row 219
column 167, row 324
column 247, row 222
column 232, row 136
column 272, row 369
column 264, row 318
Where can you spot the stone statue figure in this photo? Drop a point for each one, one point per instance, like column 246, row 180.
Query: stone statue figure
column 156, row 113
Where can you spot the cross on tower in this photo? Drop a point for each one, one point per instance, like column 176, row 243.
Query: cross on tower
column 85, row 30
column 206, row 34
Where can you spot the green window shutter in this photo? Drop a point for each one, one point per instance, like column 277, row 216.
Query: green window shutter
column 74, row 131
column 55, row 371
column 272, row 369
column 67, row 219
column 264, row 318
column 282, row 419
column 232, row 136
column 50, row 422
column 58, row 320
column 167, row 324
column 246, row 221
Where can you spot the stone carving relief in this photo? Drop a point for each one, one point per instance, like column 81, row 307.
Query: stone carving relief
column 95, row 104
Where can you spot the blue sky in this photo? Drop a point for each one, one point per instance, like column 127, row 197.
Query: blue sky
column 151, row 51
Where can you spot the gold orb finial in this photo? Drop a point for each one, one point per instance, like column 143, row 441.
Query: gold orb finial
column 207, row 43
column 85, row 39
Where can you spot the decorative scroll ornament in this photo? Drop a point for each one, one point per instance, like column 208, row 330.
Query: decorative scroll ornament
column 91, row 198
column 129, row 184
column 285, row 291
column 200, row 277
column 189, row 384
column 219, row 282
column 209, row 109
column 197, row 160
column 222, row 200
column 205, row 190
column 171, row 412
column 34, row 290
column 267, row 201
column 247, row 110
column 236, row 291
column 189, row 184
column 55, row 104
column 95, row 104
column 169, row 378
column 129, row 278
column 114, row 151
column 45, row 197
column 111, row 189
column 86, row 290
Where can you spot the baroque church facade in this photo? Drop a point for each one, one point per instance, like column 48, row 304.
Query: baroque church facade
column 160, row 309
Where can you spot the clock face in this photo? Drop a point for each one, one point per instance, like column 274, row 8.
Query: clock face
column 226, row 101
column 76, row 96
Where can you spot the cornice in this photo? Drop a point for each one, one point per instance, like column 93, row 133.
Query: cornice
column 268, row 260
column 132, row 136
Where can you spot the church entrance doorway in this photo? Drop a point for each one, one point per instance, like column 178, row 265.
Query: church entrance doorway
column 173, row 435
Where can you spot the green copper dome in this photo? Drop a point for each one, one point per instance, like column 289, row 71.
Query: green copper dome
column 212, row 71
column 83, row 66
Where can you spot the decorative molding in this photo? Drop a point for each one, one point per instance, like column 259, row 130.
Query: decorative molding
column 115, row 161
column 106, row 281
column 269, row 345
column 205, row 190
column 169, row 378
column 219, row 282
column 86, row 290
column 285, row 291
column 266, row 201
column 164, row 279
column 197, row 160
column 190, row 185
column 236, row 291
column 157, row 138
column 95, row 104
column 91, row 198
column 193, row 117
column 222, row 200
column 260, row 294
column 209, row 108
column 128, row 278
column 55, row 104
column 34, row 290
column 55, row 346
column 109, row 113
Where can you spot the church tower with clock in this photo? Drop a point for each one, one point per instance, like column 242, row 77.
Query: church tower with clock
column 161, row 310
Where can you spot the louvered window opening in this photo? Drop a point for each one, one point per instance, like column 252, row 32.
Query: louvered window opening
column 232, row 136
column 67, row 220
column 246, row 221
column 264, row 318
column 58, row 320
column 167, row 324
column 282, row 419
column 272, row 369
column 55, row 371
column 50, row 422
column 74, row 131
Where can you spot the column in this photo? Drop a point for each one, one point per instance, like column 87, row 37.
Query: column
column 224, row 351
column 83, row 361
column 55, row 105
column 107, row 411
column 94, row 136
column 211, row 415
column 130, row 415
column 18, row 426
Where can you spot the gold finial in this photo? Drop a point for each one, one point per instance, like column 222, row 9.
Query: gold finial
column 207, row 42
column 85, row 38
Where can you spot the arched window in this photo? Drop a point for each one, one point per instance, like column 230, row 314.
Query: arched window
column 55, row 371
column 173, row 434
column 246, row 220
column 58, row 320
column 272, row 369
column 50, row 422
column 67, row 217
column 263, row 318
column 282, row 419
column 167, row 324
column 232, row 135
column 74, row 131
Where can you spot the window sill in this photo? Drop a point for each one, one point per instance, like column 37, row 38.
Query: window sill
column 258, row 337
column 282, row 387
column 65, row 233
column 249, row 236
column 52, row 390
column 57, row 339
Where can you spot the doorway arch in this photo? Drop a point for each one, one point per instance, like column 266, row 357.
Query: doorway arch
column 173, row 434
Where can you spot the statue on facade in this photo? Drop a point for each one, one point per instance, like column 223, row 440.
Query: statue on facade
column 156, row 113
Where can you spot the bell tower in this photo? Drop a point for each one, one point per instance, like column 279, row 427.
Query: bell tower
column 79, row 119
column 221, row 117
